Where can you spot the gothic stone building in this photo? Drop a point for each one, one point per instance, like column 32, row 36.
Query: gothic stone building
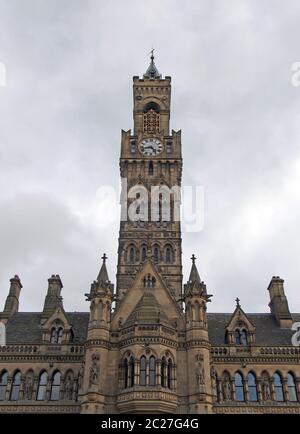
column 150, row 346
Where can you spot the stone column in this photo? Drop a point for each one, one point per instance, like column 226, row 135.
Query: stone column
column 158, row 372
column 8, row 387
column 246, row 390
column 136, row 372
column 259, row 389
column 285, row 389
column 233, row 394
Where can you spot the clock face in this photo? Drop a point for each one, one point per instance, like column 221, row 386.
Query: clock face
column 150, row 147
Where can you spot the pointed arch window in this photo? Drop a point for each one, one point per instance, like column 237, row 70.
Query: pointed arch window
column 252, row 387
column 125, row 367
column 237, row 335
column 152, row 371
column 156, row 255
column 55, row 387
column 169, row 255
column 244, row 337
column 169, row 374
column 15, row 390
column 163, row 372
column 132, row 255
column 56, row 336
column 144, row 253
column 143, row 371
column 278, row 387
column 239, row 387
column 42, row 387
column 131, row 372
column 3, row 385
column 292, row 388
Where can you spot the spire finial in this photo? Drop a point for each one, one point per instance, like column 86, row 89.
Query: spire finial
column 237, row 300
column 193, row 258
column 152, row 54
column 104, row 258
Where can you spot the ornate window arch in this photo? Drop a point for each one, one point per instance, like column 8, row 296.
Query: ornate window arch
column 3, row 385
column 16, row 384
column 252, row 387
column 42, row 386
column 151, row 118
column 278, row 387
column 291, row 383
column 57, row 332
column 55, row 386
column 239, row 387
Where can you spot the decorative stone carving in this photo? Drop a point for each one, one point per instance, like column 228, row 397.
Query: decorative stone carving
column 265, row 389
column 28, row 386
column 200, row 375
column 69, row 383
column 94, row 370
column 226, row 388
column 80, row 376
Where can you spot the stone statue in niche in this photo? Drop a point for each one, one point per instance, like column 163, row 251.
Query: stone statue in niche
column 265, row 388
column 69, row 387
column 200, row 375
column 226, row 386
column 28, row 387
column 80, row 376
column 94, row 370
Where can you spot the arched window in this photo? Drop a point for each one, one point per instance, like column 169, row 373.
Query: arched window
column 144, row 253
column 3, row 385
column 56, row 335
column 279, row 396
column 16, row 384
column 53, row 336
column 292, row 388
column 55, row 387
column 237, row 335
column 244, row 337
column 125, row 367
column 156, row 255
column 60, row 335
column 131, row 372
column 170, row 368
column 42, row 387
column 132, row 255
column 143, row 371
column 152, row 373
column 151, row 118
column 252, row 387
column 150, row 169
column 163, row 372
column 239, row 387
column 169, row 255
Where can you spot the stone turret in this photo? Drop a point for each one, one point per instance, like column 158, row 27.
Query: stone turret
column 279, row 304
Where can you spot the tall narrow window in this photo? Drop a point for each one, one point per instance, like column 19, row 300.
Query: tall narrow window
column 55, row 387
column 292, row 388
column 156, row 255
column 125, row 366
column 170, row 368
column 163, row 372
column 60, row 335
column 244, row 338
column 152, row 373
column 131, row 372
column 144, row 253
column 53, row 336
column 279, row 396
column 169, row 256
column 132, row 255
column 3, row 385
column 239, row 387
column 15, row 390
column 252, row 388
column 143, row 371
column 150, row 169
column 42, row 388
column 237, row 334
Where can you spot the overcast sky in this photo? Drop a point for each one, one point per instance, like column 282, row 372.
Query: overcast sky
column 69, row 67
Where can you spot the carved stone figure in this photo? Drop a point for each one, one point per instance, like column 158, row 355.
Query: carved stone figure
column 265, row 388
column 80, row 376
column 28, row 387
column 226, row 388
column 69, row 387
column 200, row 375
column 94, row 370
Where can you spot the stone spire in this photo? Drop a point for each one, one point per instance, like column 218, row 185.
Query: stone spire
column 194, row 275
column 103, row 275
column 152, row 71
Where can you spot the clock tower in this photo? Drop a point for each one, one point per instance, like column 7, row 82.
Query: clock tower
column 151, row 170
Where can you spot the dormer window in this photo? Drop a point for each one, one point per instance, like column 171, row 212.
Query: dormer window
column 241, row 337
column 56, row 334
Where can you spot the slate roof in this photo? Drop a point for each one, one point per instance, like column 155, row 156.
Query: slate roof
column 267, row 331
column 24, row 328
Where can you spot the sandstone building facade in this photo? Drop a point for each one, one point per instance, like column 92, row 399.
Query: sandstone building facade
column 150, row 345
